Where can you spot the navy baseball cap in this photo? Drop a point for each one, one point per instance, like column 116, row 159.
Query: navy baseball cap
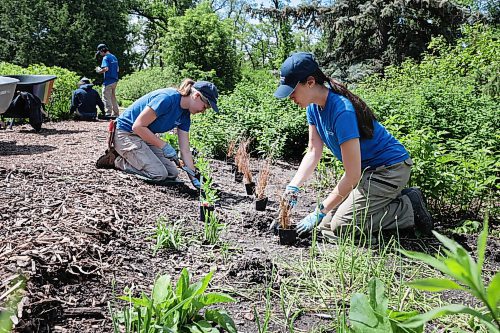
column 101, row 47
column 296, row 68
column 209, row 91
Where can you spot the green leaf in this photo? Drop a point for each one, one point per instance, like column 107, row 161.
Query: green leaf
column 481, row 245
column 429, row 260
column 213, row 298
column 361, row 311
column 162, row 289
column 434, row 284
column 182, row 284
column 397, row 317
column 378, row 300
column 204, row 326
column 449, row 243
column 443, row 311
column 222, row 319
column 493, row 292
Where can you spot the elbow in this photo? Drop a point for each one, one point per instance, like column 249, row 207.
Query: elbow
column 353, row 177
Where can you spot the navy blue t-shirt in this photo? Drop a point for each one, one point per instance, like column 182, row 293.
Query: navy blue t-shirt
column 337, row 123
column 111, row 75
column 167, row 105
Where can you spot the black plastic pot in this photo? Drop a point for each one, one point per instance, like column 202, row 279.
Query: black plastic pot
column 234, row 168
column 250, row 187
column 287, row 236
column 204, row 210
column 260, row 204
column 238, row 177
column 230, row 160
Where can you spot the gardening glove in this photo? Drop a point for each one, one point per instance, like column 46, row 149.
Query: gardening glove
column 196, row 183
column 309, row 222
column 169, row 152
column 291, row 194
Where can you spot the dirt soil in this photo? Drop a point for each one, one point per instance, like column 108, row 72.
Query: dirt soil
column 76, row 231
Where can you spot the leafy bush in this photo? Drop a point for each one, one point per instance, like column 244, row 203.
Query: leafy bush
column 175, row 309
column 60, row 100
column 277, row 126
column 138, row 84
column 445, row 111
column 459, row 265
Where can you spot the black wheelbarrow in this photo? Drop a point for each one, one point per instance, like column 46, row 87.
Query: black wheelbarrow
column 32, row 93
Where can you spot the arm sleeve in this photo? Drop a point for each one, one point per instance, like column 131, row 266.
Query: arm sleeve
column 74, row 102
column 104, row 62
column 346, row 126
column 310, row 119
column 185, row 122
column 161, row 104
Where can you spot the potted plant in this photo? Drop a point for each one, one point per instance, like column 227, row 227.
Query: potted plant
column 247, row 175
column 286, row 235
column 260, row 190
column 240, row 159
column 230, row 154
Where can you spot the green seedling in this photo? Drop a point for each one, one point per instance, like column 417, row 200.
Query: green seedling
column 175, row 309
column 466, row 275
column 167, row 236
column 212, row 228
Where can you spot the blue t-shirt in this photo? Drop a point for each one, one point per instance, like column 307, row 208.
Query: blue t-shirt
column 111, row 75
column 167, row 105
column 337, row 123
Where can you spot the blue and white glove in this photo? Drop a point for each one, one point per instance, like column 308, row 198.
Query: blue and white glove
column 169, row 152
column 291, row 195
column 308, row 223
column 196, row 183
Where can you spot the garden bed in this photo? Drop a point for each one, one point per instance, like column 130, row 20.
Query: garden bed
column 81, row 235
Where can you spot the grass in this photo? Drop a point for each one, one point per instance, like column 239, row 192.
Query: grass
column 167, row 236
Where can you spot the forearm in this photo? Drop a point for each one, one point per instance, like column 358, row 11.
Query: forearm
column 340, row 192
column 306, row 168
column 148, row 136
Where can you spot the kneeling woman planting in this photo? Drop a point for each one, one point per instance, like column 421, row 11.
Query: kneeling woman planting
column 140, row 150
column 369, row 197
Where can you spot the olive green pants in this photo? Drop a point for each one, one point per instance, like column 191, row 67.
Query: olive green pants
column 141, row 158
column 375, row 204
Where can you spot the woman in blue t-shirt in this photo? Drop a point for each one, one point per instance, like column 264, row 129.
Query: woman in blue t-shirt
column 370, row 195
column 140, row 150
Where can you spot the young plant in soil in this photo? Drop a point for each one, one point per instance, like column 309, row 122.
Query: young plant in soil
column 212, row 228
column 167, row 236
column 208, row 195
column 242, row 160
column 185, row 308
column 287, row 235
column 231, row 151
column 260, row 190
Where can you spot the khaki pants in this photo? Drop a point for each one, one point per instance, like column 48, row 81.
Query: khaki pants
column 375, row 204
column 139, row 157
column 109, row 99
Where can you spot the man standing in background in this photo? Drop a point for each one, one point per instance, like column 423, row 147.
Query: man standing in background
column 109, row 67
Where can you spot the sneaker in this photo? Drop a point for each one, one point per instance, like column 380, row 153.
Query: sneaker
column 422, row 217
column 107, row 161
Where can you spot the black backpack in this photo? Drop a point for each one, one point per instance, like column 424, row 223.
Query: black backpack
column 26, row 105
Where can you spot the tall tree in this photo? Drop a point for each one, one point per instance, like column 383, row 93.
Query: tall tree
column 201, row 45
column 63, row 33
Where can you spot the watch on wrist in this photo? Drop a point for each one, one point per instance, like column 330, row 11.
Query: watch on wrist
column 321, row 208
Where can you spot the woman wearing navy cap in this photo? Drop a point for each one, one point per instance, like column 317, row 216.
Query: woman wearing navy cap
column 140, row 150
column 370, row 195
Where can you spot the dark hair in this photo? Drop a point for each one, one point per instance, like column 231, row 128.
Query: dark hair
column 364, row 114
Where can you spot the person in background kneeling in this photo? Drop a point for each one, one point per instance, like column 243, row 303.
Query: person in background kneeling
column 143, row 153
column 85, row 100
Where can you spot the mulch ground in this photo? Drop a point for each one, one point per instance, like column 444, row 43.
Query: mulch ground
column 80, row 235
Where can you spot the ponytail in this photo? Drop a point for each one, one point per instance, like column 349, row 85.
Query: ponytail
column 364, row 114
column 185, row 88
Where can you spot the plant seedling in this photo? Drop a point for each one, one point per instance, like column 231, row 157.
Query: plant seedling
column 167, row 236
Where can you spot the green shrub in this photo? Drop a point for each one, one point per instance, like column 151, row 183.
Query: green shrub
column 138, row 84
column 445, row 111
column 60, row 100
column 276, row 126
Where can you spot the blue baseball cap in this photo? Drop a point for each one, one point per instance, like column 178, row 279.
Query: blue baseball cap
column 209, row 91
column 296, row 68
